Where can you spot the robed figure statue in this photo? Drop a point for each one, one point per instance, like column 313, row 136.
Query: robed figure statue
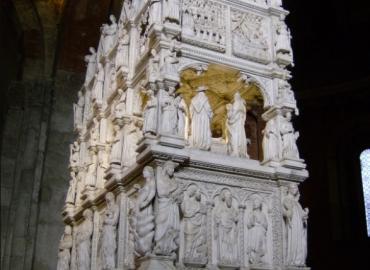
column 201, row 115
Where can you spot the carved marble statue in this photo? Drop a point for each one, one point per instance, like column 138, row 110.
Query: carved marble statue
column 120, row 109
column 116, row 153
column 171, row 11
column 271, row 141
column 91, row 65
column 78, row 110
column 182, row 111
column 91, row 168
column 110, row 32
column 144, row 214
column 295, row 228
column 236, row 116
column 194, row 219
column 71, row 194
column 83, row 241
column 167, row 219
column 150, row 114
column 109, row 233
column 257, row 231
column 74, row 155
column 201, row 115
column 94, row 133
column 65, row 245
column 226, row 229
column 289, row 137
column 97, row 92
column 169, row 112
column 123, row 50
column 154, row 66
column 131, row 136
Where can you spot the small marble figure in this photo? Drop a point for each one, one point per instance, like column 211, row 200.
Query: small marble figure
column 289, row 137
column 194, row 218
column 201, row 115
column 182, row 111
column 91, row 167
column 167, row 219
column 116, row 153
column 78, row 110
column 295, row 228
column 110, row 32
column 120, row 109
column 150, row 114
column 257, row 231
column 145, row 215
column 74, row 155
column 83, row 239
column 131, row 136
column 91, row 65
column 236, row 116
column 271, row 142
column 71, row 194
column 65, row 245
column 154, row 66
column 169, row 112
column 109, row 233
column 226, row 231
column 123, row 50
column 97, row 93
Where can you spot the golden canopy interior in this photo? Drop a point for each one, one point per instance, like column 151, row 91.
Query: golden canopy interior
column 222, row 83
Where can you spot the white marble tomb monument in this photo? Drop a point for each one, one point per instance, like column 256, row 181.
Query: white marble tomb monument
column 185, row 155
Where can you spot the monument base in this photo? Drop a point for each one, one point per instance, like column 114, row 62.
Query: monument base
column 153, row 262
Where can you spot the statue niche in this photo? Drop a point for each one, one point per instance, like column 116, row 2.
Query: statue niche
column 235, row 111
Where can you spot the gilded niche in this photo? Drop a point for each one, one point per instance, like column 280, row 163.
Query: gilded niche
column 222, row 83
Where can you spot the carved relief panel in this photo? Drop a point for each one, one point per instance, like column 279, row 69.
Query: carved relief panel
column 249, row 34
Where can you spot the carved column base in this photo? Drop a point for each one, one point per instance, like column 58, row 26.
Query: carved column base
column 271, row 163
column 153, row 262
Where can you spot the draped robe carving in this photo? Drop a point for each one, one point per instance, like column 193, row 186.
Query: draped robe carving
column 201, row 114
column 83, row 239
column 65, row 245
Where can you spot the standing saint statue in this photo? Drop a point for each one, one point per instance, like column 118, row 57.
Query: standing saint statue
column 150, row 114
column 226, row 231
column 131, row 136
column 91, row 168
column 289, row 137
column 236, row 116
column 91, row 65
column 83, row 239
column 144, row 214
column 282, row 43
column 109, row 233
column 110, row 32
column 65, row 245
column 122, row 50
column 271, row 142
column 194, row 218
column 120, row 108
column 201, row 115
column 182, row 111
column 71, row 194
column 78, row 109
column 169, row 112
column 257, row 231
column 116, row 153
column 167, row 219
column 295, row 219
column 97, row 93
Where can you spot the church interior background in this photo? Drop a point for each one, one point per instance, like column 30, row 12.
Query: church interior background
column 54, row 105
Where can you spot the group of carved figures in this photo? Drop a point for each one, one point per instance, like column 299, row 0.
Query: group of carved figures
column 158, row 211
